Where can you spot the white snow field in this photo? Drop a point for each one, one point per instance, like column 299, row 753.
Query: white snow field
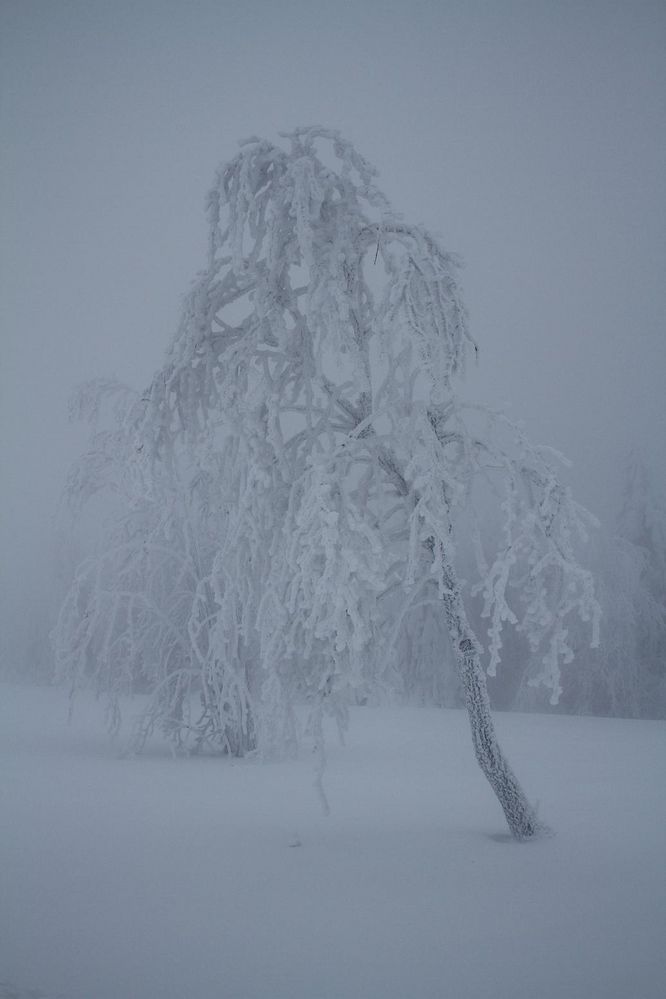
column 206, row 878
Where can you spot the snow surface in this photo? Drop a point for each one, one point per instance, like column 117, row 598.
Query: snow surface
column 161, row 878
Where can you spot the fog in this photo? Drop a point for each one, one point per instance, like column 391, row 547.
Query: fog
column 530, row 136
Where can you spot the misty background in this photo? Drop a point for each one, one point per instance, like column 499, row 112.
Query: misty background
column 530, row 136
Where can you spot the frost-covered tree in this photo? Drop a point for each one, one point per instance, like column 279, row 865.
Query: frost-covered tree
column 642, row 525
column 610, row 679
column 124, row 624
column 315, row 370
column 642, row 520
column 626, row 674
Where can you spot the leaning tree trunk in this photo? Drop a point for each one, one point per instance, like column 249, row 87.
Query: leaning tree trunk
column 519, row 814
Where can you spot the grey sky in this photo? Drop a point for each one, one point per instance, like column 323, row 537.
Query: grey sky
column 530, row 135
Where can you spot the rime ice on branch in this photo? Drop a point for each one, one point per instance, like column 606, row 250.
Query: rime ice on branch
column 312, row 386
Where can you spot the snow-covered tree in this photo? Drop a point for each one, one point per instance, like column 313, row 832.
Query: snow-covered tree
column 124, row 624
column 642, row 524
column 625, row 675
column 609, row 679
column 315, row 370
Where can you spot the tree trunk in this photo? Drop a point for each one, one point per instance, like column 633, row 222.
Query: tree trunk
column 519, row 814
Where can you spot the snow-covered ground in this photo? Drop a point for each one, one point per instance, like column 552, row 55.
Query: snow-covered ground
column 203, row 878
